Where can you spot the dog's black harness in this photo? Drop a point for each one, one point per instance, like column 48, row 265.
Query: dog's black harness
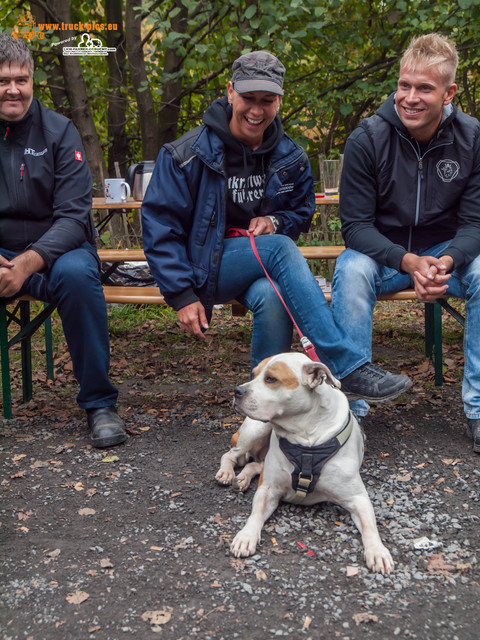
column 308, row 462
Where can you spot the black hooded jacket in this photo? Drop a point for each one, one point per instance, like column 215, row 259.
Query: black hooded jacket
column 45, row 185
column 398, row 198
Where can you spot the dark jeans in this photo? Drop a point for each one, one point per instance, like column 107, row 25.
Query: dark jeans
column 73, row 284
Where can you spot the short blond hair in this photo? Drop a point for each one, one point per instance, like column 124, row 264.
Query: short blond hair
column 432, row 50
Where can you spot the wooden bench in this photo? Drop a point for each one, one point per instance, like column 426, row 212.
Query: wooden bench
column 151, row 295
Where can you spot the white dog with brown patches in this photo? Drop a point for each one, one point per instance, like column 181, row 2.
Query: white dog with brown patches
column 301, row 436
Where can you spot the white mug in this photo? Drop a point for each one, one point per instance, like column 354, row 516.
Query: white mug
column 116, row 190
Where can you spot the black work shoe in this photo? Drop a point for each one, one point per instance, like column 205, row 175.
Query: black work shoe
column 473, row 432
column 106, row 427
column 372, row 384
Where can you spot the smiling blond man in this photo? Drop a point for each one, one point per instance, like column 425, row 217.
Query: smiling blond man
column 410, row 207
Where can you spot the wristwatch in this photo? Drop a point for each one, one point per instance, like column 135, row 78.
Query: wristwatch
column 275, row 222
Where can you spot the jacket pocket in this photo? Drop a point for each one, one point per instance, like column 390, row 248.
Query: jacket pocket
column 206, row 214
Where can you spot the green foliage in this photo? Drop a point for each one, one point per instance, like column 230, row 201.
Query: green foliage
column 341, row 57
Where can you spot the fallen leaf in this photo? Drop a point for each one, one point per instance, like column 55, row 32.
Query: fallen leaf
column 405, row 478
column 157, row 618
column 260, row 575
column 19, row 457
column 352, row 571
column 77, row 597
column 86, row 512
column 93, row 629
column 19, row 474
column 110, row 459
column 54, row 554
column 364, row 617
column 78, row 486
column 39, row 464
column 436, row 562
column 106, row 563
column 307, row 622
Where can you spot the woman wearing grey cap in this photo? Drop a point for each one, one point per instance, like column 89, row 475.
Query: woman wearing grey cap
column 239, row 173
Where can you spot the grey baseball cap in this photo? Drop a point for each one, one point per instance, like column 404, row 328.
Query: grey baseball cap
column 258, row 71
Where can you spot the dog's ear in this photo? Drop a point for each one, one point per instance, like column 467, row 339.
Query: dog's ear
column 315, row 373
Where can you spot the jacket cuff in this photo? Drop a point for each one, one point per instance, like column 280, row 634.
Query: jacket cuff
column 395, row 257
column 182, row 299
column 44, row 254
column 456, row 255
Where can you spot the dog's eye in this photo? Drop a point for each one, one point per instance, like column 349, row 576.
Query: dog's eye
column 270, row 380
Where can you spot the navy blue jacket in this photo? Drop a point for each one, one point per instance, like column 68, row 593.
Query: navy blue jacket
column 183, row 212
column 45, row 185
column 396, row 199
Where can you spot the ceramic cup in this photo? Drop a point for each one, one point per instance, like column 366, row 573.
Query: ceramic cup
column 116, row 190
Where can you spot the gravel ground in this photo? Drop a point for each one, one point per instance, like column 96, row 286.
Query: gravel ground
column 133, row 542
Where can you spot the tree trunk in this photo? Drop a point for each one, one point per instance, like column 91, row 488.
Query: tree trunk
column 117, row 102
column 139, row 79
column 171, row 102
column 76, row 91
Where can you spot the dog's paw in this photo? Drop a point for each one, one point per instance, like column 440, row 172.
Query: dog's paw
column 378, row 559
column 244, row 544
column 241, row 482
column 225, row 476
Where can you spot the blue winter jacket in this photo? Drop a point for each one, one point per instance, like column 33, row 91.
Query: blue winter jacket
column 183, row 212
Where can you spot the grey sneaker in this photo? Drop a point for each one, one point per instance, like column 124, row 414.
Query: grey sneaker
column 372, row 384
column 473, row 432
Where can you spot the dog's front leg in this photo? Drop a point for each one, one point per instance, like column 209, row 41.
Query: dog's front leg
column 265, row 502
column 377, row 556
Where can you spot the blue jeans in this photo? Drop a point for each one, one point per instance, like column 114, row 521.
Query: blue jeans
column 357, row 282
column 242, row 277
column 73, row 284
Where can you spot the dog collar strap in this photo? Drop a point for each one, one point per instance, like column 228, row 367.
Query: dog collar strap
column 308, row 462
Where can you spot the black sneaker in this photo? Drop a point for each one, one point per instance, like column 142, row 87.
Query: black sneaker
column 372, row 384
column 473, row 432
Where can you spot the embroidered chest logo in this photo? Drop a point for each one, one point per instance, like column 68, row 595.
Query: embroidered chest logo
column 447, row 170
column 31, row 152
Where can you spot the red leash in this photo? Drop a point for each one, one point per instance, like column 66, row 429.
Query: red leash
column 306, row 344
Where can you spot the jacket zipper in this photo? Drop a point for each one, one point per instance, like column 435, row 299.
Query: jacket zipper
column 419, row 181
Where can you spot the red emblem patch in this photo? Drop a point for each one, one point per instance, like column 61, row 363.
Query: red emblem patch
column 78, row 155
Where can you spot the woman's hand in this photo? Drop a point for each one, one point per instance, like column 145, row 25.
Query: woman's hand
column 260, row 226
column 193, row 319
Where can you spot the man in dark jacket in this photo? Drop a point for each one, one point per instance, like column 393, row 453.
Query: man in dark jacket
column 240, row 171
column 47, row 236
column 410, row 207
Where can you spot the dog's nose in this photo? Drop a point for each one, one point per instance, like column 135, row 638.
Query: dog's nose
column 239, row 392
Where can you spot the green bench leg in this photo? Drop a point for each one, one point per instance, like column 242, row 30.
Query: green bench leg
column 26, row 351
column 24, row 336
column 5, row 363
column 433, row 338
column 49, row 346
